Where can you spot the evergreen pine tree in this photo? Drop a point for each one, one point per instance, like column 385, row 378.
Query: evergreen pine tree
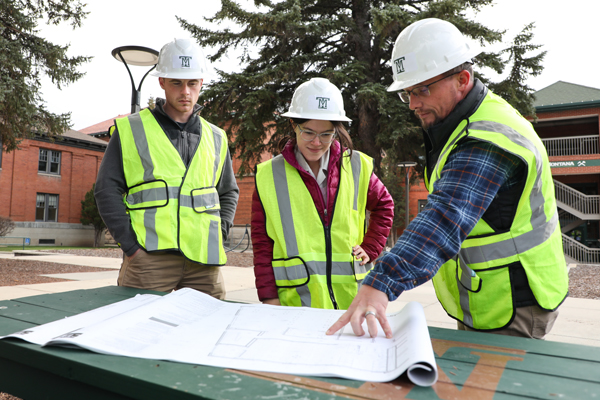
column 24, row 57
column 350, row 43
column 91, row 216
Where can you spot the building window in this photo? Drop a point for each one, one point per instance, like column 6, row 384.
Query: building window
column 49, row 162
column 46, row 208
column 422, row 204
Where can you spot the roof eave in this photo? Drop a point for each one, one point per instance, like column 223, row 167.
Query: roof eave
column 71, row 142
column 568, row 106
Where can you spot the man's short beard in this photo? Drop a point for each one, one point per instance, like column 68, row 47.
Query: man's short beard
column 424, row 125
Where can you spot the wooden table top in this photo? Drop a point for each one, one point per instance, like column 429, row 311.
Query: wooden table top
column 471, row 365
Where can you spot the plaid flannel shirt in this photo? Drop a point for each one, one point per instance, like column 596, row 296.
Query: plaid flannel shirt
column 474, row 173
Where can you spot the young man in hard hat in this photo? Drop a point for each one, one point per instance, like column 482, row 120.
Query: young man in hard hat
column 312, row 247
column 489, row 235
column 166, row 188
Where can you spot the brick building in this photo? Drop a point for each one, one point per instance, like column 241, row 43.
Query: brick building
column 42, row 186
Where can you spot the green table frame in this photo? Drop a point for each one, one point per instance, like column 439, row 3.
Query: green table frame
column 472, row 365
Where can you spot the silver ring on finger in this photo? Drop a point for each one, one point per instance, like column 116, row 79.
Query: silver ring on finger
column 370, row 313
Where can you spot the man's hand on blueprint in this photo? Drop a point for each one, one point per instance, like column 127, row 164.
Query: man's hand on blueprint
column 367, row 299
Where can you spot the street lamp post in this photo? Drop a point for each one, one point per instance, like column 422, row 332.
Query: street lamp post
column 407, row 165
column 136, row 55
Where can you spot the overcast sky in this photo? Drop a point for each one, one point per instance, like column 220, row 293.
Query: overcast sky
column 568, row 32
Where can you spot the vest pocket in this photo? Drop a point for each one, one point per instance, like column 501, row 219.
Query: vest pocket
column 491, row 306
column 205, row 199
column 152, row 194
column 360, row 271
column 467, row 277
column 290, row 272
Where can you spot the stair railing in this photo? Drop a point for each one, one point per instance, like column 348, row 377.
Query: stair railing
column 579, row 251
column 585, row 204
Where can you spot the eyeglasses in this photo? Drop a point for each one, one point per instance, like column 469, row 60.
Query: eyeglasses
column 420, row 90
column 309, row 136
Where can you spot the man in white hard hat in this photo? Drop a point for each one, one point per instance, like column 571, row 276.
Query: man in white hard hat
column 489, row 235
column 166, row 188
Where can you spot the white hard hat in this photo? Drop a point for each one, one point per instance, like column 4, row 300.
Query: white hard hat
column 428, row 48
column 317, row 99
column 181, row 59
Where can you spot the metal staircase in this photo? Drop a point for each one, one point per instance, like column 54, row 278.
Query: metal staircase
column 574, row 209
column 576, row 203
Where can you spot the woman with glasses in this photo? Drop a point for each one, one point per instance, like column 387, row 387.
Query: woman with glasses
column 310, row 238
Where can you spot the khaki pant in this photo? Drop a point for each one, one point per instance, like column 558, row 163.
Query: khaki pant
column 530, row 322
column 165, row 272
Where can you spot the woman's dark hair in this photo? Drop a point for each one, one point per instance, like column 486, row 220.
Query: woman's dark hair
column 342, row 135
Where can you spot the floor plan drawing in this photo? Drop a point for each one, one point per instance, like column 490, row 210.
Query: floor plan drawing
column 191, row 327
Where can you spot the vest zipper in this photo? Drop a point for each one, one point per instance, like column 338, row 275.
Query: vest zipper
column 185, row 152
column 329, row 265
column 328, row 247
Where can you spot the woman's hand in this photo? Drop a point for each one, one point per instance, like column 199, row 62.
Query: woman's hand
column 359, row 253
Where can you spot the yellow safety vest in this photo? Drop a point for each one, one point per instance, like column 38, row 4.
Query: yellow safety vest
column 475, row 287
column 313, row 263
column 173, row 207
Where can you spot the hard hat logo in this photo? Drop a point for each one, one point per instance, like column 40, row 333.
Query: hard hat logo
column 405, row 63
column 322, row 103
column 185, row 61
column 399, row 62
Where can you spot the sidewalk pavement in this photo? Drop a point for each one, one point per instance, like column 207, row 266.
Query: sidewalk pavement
column 578, row 321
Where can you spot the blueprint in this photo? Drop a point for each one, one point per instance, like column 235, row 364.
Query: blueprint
column 192, row 327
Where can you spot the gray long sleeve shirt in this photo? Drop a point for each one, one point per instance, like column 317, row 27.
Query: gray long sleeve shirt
column 111, row 185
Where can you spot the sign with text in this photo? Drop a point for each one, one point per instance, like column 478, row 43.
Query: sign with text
column 574, row 163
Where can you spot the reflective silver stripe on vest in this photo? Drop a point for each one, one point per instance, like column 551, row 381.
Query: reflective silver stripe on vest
column 141, row 143
column 536, row 199
column 298, row 271
column 356, row 167
column 285, row 205
column 541, row 230
column 304, row 293
column 218, row 140
column 464, row 286
column 315, row 268
column 150, row 225
column 511, row 247
column 207, row 200
column 362, row 269
column 154, row 194
column 212, row 247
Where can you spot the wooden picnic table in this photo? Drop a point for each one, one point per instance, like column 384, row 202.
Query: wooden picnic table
column 472, row 365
